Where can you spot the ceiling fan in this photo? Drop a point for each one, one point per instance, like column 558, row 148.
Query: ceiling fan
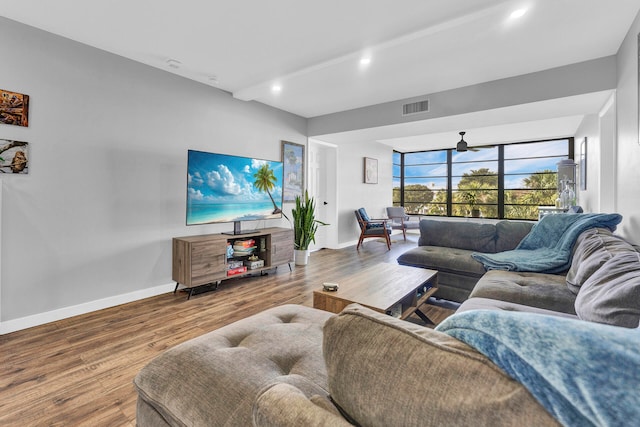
column 462, row 146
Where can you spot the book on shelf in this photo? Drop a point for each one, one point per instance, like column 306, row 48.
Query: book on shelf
column 238, row 270
column 234, row 264
column 244, row 251
column 248, row 243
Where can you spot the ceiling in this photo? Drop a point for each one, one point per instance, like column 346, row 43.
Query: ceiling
column 312, row 50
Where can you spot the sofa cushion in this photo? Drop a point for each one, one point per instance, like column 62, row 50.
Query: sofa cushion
column 472, row 236
column 494, row 304
column 612, row 293
column 510, row 233
column 547, row 291
column 387, row 372
column 443, row 259
column 593, row 248
column 238, row 361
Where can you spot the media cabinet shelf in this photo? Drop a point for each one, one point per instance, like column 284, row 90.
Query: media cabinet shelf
column 202, row 260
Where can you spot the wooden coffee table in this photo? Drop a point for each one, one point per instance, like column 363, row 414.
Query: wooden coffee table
column 386, row 288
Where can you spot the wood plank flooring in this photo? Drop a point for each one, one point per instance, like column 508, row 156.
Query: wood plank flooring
column 79, row 371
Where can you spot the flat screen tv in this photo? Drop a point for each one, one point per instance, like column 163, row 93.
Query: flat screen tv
column 225, row 188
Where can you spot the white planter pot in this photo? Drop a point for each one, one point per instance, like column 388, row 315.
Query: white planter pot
column 301, row 257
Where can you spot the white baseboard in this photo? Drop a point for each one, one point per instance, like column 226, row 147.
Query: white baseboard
column 87, row 307
column 347, row 244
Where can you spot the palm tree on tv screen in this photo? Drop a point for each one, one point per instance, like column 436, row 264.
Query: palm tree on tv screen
column 265, row 180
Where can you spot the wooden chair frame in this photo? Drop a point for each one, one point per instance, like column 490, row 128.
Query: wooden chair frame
column 367, row 231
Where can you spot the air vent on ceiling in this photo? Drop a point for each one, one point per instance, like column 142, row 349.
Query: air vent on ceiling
column 415, row 107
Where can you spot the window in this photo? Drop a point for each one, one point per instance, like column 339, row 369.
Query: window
column 501, row 181
column 425, row 182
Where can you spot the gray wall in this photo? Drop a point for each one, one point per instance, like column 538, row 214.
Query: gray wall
column 353, row 193
column 92, row 222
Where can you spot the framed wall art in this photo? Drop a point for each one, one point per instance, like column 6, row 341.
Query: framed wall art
column 370, row 170
column 583, row 164
column 14, row 108
column 293, row 167
column 14, row 156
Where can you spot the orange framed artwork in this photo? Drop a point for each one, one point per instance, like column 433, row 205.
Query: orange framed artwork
column 14, row 108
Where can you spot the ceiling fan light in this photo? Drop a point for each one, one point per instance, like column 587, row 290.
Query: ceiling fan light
column 462, row 144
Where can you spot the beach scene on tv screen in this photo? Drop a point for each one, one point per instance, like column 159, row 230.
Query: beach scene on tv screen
column 224, row 188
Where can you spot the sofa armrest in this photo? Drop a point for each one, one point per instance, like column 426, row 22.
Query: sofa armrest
column 283, row 405
column 385, row 371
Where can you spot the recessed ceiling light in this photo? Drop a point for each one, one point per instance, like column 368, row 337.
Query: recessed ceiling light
column 519, row 13
column 276, row 88
column 365, row 60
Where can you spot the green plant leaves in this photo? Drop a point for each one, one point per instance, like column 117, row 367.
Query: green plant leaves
column 305, row 224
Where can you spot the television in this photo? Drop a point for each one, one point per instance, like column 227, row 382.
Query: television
column 223, row 188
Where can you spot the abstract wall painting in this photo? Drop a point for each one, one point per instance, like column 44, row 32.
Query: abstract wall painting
column 370, row 170
column 293, row 165
column 14, row 108
column 14, row 156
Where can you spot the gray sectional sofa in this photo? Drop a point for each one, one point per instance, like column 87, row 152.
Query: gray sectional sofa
column 602, row 283
column 529, row 349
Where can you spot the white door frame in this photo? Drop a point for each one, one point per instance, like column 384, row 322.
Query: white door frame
column 324, row 176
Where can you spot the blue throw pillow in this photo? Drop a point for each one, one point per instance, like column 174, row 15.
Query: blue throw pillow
column 363, row 214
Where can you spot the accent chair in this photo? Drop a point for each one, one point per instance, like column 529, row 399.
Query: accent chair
column 372, row 227
column 401, row 221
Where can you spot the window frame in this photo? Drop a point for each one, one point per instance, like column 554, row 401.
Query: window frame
column 450, row 164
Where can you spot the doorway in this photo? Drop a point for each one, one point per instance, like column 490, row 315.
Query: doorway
column 322, row 175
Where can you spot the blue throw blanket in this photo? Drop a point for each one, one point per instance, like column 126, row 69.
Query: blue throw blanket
column 583, row 373
column 548, row 246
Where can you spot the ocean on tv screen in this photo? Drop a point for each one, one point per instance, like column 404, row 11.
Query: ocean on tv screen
column 229, row 212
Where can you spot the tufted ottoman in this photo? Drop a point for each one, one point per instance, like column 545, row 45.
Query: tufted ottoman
column 215, row 379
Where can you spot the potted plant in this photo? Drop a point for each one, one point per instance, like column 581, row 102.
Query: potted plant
column 472, row 199
column 305, row 226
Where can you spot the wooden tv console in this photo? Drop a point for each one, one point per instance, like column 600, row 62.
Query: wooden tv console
column 202, row 260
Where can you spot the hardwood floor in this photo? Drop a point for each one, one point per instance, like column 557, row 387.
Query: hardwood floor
column 79, row 371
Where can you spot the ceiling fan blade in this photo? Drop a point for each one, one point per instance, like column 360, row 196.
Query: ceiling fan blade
column 482, row 147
